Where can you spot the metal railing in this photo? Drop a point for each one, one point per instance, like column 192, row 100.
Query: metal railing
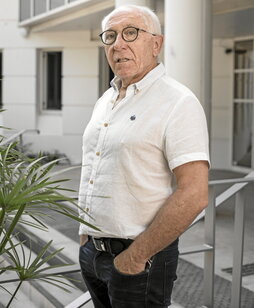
column 237, row 190
column 18, row 135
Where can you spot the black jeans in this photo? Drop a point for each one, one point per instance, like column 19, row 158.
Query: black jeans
column 110, row 288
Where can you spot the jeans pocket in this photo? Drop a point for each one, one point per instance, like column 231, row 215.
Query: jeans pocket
column 144, row 272
column 132, row 288
column 84, row 245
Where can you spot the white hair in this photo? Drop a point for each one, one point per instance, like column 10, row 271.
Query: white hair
column 150, row 19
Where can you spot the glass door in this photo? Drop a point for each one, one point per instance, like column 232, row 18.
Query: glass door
column 243, row 120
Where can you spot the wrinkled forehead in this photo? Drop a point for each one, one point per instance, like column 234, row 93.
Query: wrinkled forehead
column 124, row 19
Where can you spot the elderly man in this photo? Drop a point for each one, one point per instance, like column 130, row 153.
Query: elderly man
column 146, row 133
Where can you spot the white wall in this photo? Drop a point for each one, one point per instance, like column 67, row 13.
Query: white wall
column 80, row 87
column 222, row 104
column 60, row 131
column 19, row 92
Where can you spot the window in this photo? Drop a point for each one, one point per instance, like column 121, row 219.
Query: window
column 40, row 7
column 31, row 8
column 1, row 79
column 243, row 150
column 56, row 3
column 25, row 9
column 51, row 86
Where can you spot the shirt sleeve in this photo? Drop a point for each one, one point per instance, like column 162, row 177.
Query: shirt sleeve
column 186, row 135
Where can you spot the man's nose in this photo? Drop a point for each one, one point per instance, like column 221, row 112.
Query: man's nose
column 119, row 42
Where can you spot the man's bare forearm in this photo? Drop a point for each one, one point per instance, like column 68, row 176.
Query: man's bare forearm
column 190, row 198
column 170, row 222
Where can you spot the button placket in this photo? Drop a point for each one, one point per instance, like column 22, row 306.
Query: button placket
column 97, row 159
column 94, row 171
column 101, row 144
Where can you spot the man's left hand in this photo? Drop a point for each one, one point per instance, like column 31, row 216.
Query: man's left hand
column 125, row 264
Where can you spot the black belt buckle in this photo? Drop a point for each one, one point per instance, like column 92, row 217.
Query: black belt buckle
column 112, row 246
column 99, row 244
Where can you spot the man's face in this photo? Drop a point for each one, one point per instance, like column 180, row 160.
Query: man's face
column 131, row 61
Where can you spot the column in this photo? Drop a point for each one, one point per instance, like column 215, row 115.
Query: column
column 188, row 47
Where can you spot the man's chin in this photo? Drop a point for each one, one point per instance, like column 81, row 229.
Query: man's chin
column 123, row 76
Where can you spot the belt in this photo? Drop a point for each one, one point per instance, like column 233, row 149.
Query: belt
column 114, row 246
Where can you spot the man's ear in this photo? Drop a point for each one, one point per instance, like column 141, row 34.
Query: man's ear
column 158, row 41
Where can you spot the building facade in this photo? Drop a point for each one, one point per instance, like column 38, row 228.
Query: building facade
column 53, row 69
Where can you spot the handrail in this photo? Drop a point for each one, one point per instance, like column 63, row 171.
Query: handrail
column 239, row 183
column 18, row 135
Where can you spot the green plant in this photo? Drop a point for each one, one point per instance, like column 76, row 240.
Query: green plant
column 26, row 188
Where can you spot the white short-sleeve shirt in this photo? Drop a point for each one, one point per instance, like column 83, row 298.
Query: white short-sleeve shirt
column 130, row 151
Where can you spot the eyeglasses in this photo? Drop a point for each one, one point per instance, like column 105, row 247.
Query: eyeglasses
column 129, row 34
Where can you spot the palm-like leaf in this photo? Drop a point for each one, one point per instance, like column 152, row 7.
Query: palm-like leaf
column 26, row 269
column 26, row 190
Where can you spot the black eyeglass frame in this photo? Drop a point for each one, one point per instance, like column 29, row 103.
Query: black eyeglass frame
column 116, row 33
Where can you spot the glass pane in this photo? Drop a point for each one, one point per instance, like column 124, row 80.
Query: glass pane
column 242, row 138
column 56, row 3
column 40, row 7
column 1, row 79
column 244, row 55
column 244, row 83
column 24, row 9
column 54, row 80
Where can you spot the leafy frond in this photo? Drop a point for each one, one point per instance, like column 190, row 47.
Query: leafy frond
column 28, row 187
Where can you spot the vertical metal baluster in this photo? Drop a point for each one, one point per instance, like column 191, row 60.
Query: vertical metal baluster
column 31, row 8
column 209, row 255
column 238, row 245
column 48, row 5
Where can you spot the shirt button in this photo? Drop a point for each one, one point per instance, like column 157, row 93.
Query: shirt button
column 98, row 153
column 91, row 181
column 105, row 124
column 87, row 209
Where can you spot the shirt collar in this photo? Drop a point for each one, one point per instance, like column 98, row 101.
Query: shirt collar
column 149, row 78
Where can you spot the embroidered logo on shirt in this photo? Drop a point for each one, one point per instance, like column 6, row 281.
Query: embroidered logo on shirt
column 133, row 117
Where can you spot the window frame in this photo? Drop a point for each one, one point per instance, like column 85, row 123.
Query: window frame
column 42, row 81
